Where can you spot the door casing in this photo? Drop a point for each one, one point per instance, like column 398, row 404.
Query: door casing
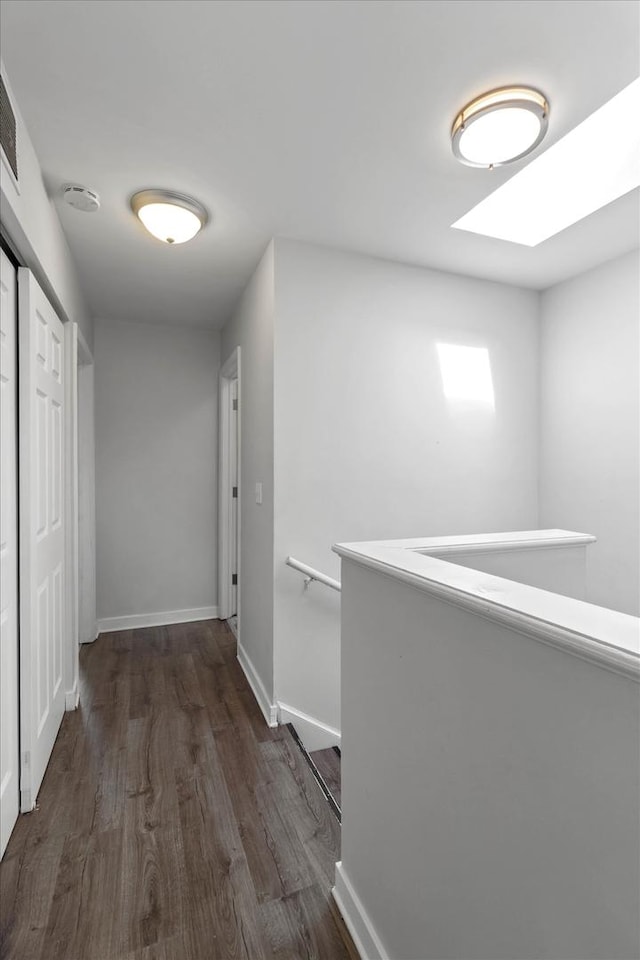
column 34, row 752
column 229, row 476
column 9, row 609
column 86, row 516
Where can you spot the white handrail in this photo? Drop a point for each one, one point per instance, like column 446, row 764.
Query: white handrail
column 311, row 574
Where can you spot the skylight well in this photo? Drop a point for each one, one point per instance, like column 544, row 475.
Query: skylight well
column 594, row 164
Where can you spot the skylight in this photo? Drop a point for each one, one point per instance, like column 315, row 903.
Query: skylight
column 466, row 374
column 594, row 164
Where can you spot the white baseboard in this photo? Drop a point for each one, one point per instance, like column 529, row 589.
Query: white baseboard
column 93, row 635
column 315, row 734
column 269, row 710
column 111, row 624
column 366, row 940
column 72, row 697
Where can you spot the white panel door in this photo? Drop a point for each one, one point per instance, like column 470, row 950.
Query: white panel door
column 9, row 698
column 42, row 531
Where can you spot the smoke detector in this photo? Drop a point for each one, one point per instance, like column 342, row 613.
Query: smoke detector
column 81, row 198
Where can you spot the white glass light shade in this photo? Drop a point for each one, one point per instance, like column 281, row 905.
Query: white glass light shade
column 500, row 127
column 169, row 217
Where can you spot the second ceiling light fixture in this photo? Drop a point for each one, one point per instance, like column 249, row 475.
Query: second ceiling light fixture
column 170, row 217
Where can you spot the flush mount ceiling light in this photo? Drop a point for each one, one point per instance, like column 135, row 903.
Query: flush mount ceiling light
column 500, row 127
column 170, row 217
column 591, row 166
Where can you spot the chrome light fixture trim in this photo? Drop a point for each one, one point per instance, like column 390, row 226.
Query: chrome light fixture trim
column 511, row 98
column 170, row 199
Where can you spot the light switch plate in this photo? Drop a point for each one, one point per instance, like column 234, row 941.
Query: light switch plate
column 258, row 493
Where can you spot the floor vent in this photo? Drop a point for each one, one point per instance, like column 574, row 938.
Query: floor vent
column 320, row 779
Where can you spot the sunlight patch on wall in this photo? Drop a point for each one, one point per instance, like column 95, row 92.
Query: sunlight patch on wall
column 466, row 374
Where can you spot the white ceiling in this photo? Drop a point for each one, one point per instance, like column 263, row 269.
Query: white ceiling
column 326, row 121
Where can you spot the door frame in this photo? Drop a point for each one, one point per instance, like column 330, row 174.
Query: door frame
column 230, row 371
column 71, row 667
column 86, row 556
column 10, row 656
column 70, row 453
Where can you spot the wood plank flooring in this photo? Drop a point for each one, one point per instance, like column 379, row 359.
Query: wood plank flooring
column 327, row 764
column 172, row 823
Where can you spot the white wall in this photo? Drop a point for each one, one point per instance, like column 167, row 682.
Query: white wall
column 156, row 392
column 251, row 328
column 32, row 224
column 490, row 783
column 366, row 445
column 590, row 427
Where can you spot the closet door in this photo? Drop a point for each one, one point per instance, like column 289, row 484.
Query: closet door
column 9, row 697
column 42, row 532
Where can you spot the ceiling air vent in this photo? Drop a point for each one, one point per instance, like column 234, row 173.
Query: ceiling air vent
column 8, row 129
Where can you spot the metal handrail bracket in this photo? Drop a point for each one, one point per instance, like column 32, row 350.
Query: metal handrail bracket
column 311, row 574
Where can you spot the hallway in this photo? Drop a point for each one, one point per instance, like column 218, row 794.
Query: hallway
column 172, row 824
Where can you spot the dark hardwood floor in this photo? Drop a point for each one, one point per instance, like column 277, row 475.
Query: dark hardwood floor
column 327, row 764
column 172, row 823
